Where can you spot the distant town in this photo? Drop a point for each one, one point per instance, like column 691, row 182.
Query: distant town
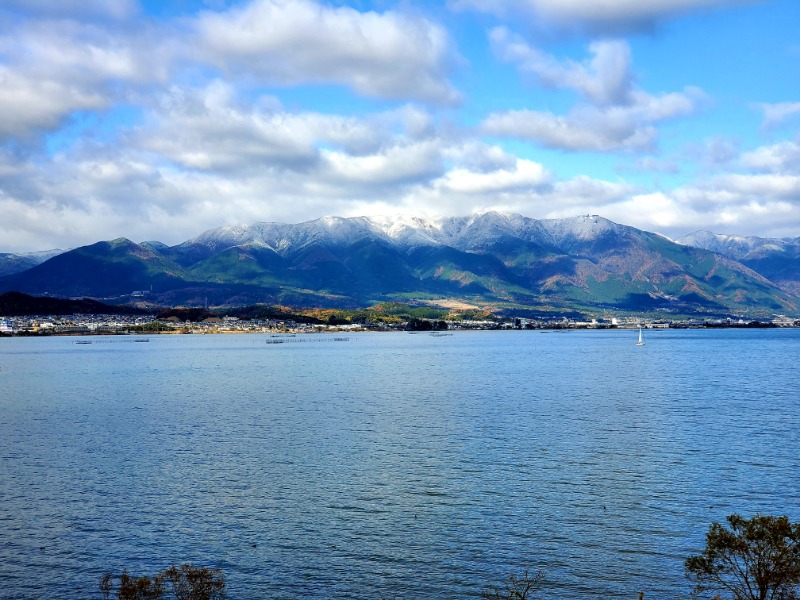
column 145, row 325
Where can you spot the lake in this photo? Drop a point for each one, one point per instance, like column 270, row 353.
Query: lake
column 390, row 465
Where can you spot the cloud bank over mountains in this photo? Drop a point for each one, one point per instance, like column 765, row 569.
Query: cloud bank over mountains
column 122, row 119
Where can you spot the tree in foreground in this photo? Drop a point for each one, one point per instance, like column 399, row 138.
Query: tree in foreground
column 753, row 559
column 185, row 583
column 517, row 588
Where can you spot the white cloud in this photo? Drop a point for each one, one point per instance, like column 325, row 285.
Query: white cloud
column 29, row 104
column 730, row 203
column 479, row 157
column 573, row 132
column 761, row 187
column 598, row 129
column 525, row 176
column 655, row 211
column 778, row 158
column 82, row 53
column 213, row 130
column 385, row 55
column 54, row 63
column 589, row 195
column 618, row 115
column 597, row 15
column 604, row 79
column 206, row 130
column 733, row 203
column 404, row 163
column 53, row 68
column 776, row 115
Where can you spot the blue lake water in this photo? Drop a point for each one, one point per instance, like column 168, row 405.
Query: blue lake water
column 390, row 465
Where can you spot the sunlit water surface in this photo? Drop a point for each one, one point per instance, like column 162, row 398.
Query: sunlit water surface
column 390, row 465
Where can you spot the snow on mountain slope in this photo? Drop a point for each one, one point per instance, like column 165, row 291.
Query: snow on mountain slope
column 282, row 237
column 736, row 246
column 473, row 233
column 16, row 263
column 583, row 228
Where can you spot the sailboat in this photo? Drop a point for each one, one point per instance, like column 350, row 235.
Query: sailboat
column 641, row 341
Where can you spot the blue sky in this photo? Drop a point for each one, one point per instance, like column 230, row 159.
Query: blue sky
column 158, row 120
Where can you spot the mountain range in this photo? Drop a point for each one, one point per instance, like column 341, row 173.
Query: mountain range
column 584, row 263
column 14, row 263
column 776, row 259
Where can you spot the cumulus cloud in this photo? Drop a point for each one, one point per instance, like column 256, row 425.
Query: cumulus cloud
column 479, row 157
column 759, row 187
column 72, row 199
column 572, row 132
column 603, row 79
column 783, row 157
column 733, row 203
column 385, row 55
column 617, row 114
column 739, row 203
column 593, row 195
column 525, row 175
column 57, row 59
column 213, row 130
column 403, row 163
column 30, row 104
column 593, row 128
column 209, row 129
column 603, row 16
column 52, row 68
column 760, row 192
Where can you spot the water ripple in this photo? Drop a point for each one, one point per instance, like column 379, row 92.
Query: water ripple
column 392, row 466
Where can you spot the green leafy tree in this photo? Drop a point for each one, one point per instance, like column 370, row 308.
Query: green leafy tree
column 752, row 559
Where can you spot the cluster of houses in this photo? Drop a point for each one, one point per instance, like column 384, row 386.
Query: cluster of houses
column 76, row 324
column 116, row 324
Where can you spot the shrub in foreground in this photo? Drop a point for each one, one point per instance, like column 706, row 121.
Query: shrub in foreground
column 517, row 588
column 186, row 582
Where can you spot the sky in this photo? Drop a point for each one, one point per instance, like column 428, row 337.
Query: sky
column 158, row 120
